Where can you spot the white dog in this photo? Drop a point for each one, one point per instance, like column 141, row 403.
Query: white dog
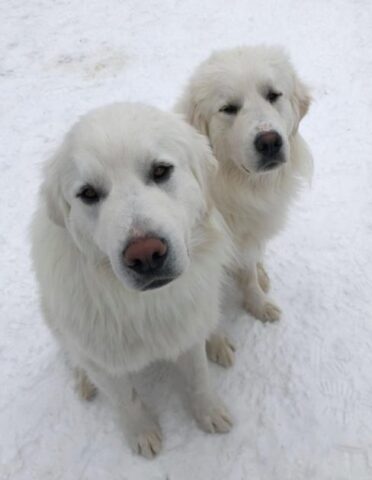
column 128, row 253
column 249, row 103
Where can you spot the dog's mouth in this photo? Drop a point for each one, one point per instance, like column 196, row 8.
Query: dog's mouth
column 267, row 168
column 267, row 164
column 271, row 166
column 156, row 283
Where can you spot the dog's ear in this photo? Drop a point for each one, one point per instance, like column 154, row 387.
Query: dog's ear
column 301, row 99
column 51, row 190
column 197, row 119
column 204, row 164
column 204, row 167
column 190, row 108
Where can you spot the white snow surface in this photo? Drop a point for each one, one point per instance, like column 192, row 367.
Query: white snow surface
column 301, row 390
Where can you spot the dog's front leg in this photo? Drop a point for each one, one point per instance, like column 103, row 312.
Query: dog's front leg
column 141, row 427
column 263, row 277
column 210, row 413
column 255, row 300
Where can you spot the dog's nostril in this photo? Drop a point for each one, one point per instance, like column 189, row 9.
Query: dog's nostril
column 157, row 255
column 145, row 255
column 136, row 263
column 268, row 143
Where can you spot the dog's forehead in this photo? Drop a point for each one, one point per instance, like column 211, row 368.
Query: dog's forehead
column 240, row 71
column 125, row 140
column 248, row 76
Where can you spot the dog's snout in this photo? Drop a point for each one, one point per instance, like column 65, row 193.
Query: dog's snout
column 268, row 144
column 145, row 255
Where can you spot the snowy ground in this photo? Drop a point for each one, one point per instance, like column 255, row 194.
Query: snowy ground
column 301, row 390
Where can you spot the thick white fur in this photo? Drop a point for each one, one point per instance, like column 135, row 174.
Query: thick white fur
column 107, row 327
column 253, row 204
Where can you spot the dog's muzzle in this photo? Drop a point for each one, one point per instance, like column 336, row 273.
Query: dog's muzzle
column 269, row 147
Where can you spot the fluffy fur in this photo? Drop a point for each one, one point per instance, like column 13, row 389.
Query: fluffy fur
column 107, row 325
column 253, row 203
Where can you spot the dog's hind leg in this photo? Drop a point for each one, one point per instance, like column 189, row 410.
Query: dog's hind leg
column 263, row 277
column 220, row 350
column 85, row 388
column 255, row 300
column 210, row 413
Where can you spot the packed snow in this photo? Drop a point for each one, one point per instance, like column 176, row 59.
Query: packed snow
column 300, row 390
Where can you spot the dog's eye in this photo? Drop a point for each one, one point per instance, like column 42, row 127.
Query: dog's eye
column 88, row 195
column 161, row 172
column 272, row 96
column 230, row 109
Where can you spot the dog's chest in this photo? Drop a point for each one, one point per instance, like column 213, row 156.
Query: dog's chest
column 127, row 332
column 255, row 215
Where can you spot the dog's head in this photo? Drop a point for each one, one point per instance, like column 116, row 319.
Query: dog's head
column 249, row 102
column 130, row 184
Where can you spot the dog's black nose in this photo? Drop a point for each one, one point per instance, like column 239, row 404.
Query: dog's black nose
column 145, row 255
column 268, row 144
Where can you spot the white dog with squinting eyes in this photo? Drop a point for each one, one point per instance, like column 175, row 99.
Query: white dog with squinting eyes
column 128, row 252
column 249, row 102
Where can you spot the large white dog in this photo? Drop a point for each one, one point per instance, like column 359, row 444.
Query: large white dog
column 128, row 253
column 249, row 102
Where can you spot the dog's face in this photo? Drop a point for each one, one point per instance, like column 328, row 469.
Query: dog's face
column 249, row 102
column 129, row 184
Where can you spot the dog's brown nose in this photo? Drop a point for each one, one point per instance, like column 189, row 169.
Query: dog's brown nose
column 145, row 255
column 268, row 143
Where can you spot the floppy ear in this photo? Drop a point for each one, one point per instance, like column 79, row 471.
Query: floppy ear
column 301, row 99
column 204, row 168
column 197, row 119
column 51, row 190
column 191, row 109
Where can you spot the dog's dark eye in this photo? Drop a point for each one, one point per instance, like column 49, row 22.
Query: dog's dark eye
column 88, row 195
column 161, row 172
column 230, row 109
column 272, row 96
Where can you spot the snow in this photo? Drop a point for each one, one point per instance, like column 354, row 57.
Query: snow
column 301, row 390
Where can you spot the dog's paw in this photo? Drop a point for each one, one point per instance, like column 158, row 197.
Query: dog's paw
column 220, row 350
column 263, row 278
column 215, row 420
column 213, row 417
column 266, row 311
column 270, row 312
column 143, row 431
column 84, row 387
column 148, row 444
